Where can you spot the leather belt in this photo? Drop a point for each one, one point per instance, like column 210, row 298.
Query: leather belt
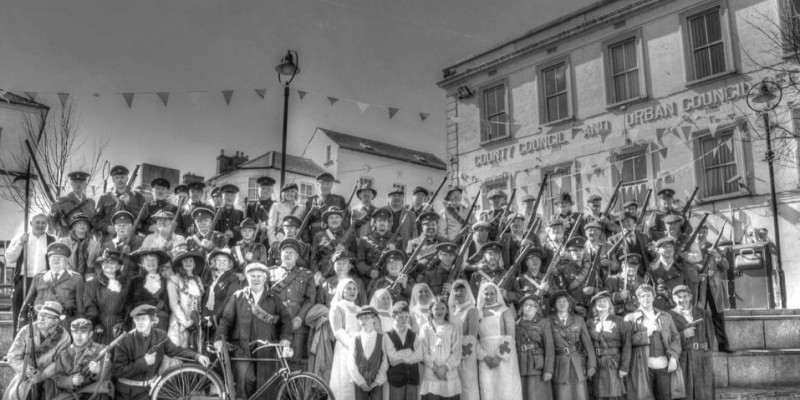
column 533, row 347
column 316, row 224
column 133, row 383
column 699, row 346
column 606, row 351
column 569, row 350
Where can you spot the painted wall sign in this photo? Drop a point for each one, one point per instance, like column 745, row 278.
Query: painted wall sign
column 696, row 101
column 522, row 148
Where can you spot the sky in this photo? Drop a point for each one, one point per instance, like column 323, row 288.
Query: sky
column 376, row 52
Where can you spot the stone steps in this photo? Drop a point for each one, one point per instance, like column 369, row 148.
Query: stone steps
column 763, row 329
column 762, row 393
column 757, row 368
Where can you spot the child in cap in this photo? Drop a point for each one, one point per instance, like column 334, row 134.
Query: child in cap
column 404, row 352
column 367, row 362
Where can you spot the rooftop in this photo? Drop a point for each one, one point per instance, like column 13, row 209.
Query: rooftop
column 17, row 100
column 272, row 160
column 381, row 149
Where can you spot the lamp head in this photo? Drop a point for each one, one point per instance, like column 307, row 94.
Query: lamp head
column 764, row 96
column 288, row 68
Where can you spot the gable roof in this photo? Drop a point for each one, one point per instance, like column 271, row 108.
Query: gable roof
column 381, row 149
column 272, row 160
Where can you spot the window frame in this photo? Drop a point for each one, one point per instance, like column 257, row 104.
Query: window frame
column 502, row 182
column 725, row 35
column 626, row 153
column 789, row 15
column 641, row 65
column 312, row 190
column 739, row 160
column 401, row 186
column 366, row 179
column 548, row 204
column 252, row 189
column 540, row 70
column 484, row 117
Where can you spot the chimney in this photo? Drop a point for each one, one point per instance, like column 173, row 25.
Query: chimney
column 223, row 162
column 191, row 177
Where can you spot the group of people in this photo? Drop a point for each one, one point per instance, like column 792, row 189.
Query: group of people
column 394, row 301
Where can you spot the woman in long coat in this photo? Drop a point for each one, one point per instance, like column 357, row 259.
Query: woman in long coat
column 611, row 337
column 149, row 287
column 498, row 369
column 535, row 350
column 575, row 358
column 185, row 290
column 224, row 282
column 464, row 315
column 104, row 296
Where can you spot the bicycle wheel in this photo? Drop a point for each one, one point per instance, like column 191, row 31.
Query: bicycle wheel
column 187, row 382
column 304, row 386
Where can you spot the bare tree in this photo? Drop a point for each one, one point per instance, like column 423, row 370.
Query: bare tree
column 63, row 148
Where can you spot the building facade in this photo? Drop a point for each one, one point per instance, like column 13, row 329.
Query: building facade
column 651, row 93
column 382, row 166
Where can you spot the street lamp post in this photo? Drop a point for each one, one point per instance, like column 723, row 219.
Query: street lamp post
column 762, row 98
column 287, row 70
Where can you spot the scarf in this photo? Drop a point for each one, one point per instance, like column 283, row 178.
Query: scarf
column 81, row 253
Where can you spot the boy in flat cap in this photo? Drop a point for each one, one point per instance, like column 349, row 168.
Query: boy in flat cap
column 84, row 247
column 323, row 201
column 49, row 339
column 230, row 217
column 77, row 369
column 655, row 224
column 160, row 188
column 138, row 356
column 74, row 202
column 288, row 205
column 57, row 284
column 367, row 362
column 247, row 250
column 254, row 313
column 371, row 246
column 258, row 210
column 119, row 199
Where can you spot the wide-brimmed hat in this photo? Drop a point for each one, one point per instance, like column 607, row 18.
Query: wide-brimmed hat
column 366, row 188
column 162, row 255
column 111, row 255
column 224, row 252
column 332, row 210
column 199, row 261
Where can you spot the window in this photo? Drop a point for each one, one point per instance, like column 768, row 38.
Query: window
column 790, row 29
column 708, row 44
column 500, row 183
column 560, row 181
column 631, row 168
column 252, row 189
column 555, row 91
column 494, row 112
column 328, row 154
column 718, row 171
column 306, row 191
column 624, row 61
column 365, row 181
column 399, row 186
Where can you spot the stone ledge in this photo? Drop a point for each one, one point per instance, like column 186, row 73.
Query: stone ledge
column 757, row 368
column 764, row 393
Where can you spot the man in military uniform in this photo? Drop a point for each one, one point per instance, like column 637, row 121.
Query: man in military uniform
column 531, row 280
column 120, row 199
column 254, row 313
column 137, row 358
column 478, row 238
column 258, row 210
column 180, row 200
column 331, row 240
column 229, row 218
column 296, row 289
column 402, row 219
column 291, row 227
column 394, row 280
column 77, row 370
column 57, row 284
column 126, row 241
column 623, row 285
column 669, row 271
column 418, row 198
column 497, row 200
column 216, row 198
column 597, row 215
column 248, row 250
column 205, row 239
column 655, row 224
column 364, row 210
column 597, row 247
column 673, row 224
column 74, row 202
column 555, row 236
column 370, row 247
column 323, row 201
column 160, row 187
column 287, row 206
column 84, row 247
column 635, row 242
column 492, row 269
column 439, row 270
column 428, row 239
column 186, row 221
column 575, row 275
column 454, row 215
column 631, row 206
column 569, row 218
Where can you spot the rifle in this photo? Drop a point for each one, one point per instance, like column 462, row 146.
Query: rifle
column 138, row 219
column 506, row 210
column 46, row 187
column 689, row 203
column 640, row 220
column 307, row 219
column 613, row 200
column 509, row 276
column 65, row 216
column 455, row 271
column 537, row 201
column 465, row 226
column 213, row 226
column 407, row 267
column 557, row 254
column 744, row 232
column 429, row 203
column 719, row 236
column 128, row 187
column 175, row 217
column 688, row 243
column 30, row 356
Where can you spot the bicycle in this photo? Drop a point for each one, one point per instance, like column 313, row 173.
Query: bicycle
column 193, row 381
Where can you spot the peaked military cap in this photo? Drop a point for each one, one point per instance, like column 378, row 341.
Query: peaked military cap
column 325, row 176
column 159, row 182
column 666, row 192
column 122, row 216
column 229, row 188
column 289, row 186
column 576, row 242
column 181, row 189
column 447, row 247
column 594, row 225
column 265, row 181
column 200, row 212
column 420, row 189
column 81, row 325
column 58, row 248
column 217, row 191
column 382, row 212
column 248, row 223
column 79, row 217
column 119, row 170
column 491, row 246
column 78, row 176
column 392, row 255
column 292, row 220
column 451, row 190
column 291, row 243
column 427, row 216
column 164, row 214
column 196, row 186
column 366, row 188
column 396, row 191
column 496, row 193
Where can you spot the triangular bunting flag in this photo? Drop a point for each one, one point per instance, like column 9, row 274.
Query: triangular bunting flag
column 62, row 97
column 423, row 115
column 164, row 96
column 729, row 145
column 195, row 97
column 301, row 94
column 664, row 151
column 227, row 94
column 332, row 100
column 362, row 106
column 712, row 128
column 128, row 98
column 392, row 111
column 31, row 95
column 261, row 92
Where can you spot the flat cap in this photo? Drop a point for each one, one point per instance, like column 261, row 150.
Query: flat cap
column 673, row 219
column 51, row 308
column 594, row 199
column 666, row 192
column 451, row 190
column 289, row 186
column 528, row 197
column 680, row 288
column 81, row 325
column 481, row 225
column 628, row 215
column 630, row 203
column 367, row 310
column 602, row 295
column 256, row 267
column 144, row 309
column 325, row 176
column 248, row 223
column 495, row 193
column 665, row 241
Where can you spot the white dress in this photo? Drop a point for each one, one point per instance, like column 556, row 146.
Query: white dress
column 468, row 369
column 440, row 346
column 340, row 383
column 503, row 381
column 184, row 299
